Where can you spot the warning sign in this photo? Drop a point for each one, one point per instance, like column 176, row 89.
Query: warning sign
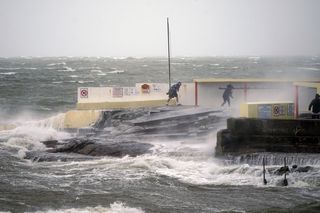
column 278, row 110
column 117, row 92
column 84, row 93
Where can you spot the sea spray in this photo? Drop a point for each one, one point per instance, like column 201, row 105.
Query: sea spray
column 116, row 207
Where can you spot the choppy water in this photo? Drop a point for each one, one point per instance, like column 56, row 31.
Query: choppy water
column 178, row 176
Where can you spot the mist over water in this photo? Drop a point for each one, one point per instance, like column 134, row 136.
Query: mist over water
column 179, row 175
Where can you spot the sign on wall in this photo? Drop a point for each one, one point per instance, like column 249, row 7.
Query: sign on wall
column 130, row 91
column 117, row 92
column 290, row 109
column 278, row 110
column 84, row 93
column 264, row 111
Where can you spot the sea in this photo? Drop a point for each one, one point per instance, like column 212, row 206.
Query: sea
column 179, row 175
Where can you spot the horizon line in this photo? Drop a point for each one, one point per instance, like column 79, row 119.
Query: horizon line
column 178, row 56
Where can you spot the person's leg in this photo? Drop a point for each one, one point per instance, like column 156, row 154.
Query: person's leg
column 228, row 101
column 168, row 101
column 224, row 101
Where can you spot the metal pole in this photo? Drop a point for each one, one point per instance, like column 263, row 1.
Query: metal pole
column 169, row 64
column 196, row 93
column 296, row 102
column 285, row 181
column 264, row 171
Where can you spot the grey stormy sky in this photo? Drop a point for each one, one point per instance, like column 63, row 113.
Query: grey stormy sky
column 138, row 27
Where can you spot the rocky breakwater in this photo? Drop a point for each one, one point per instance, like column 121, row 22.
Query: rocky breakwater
column 121, row 133
column 252, row 135
column 85, row 148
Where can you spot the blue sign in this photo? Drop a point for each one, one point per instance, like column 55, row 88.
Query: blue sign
column 264, row 111
column 290, row 109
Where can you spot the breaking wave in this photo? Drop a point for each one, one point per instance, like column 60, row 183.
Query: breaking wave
column 8, row 73
column 67, row 69
column 116, row 207
column 27, row 136
column 116, row 71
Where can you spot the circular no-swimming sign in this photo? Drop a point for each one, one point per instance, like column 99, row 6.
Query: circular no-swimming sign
column 276, row 110
column 84, row 93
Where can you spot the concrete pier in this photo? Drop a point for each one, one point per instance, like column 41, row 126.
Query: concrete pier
column 252, row 135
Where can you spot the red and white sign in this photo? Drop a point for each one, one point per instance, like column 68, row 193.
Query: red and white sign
column 84, row 93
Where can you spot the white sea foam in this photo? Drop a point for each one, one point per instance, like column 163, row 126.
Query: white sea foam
column 10, row 68
column 56, row 122
column 200, row 172
column 98, row 71
column 57, row 82
column 55, row 64
column 211, row 172
column 67, row 69
column 116, row 71
column 178, row 63
column 8, row 73
column 309, row 68
column 27, row 135
column 30, row 68
column 119, row 58
column 116, row 207
column 194, row 164
column 102, row 74
column 73, row 76
column 82, row 82
column 254, row 57
column 45, row 108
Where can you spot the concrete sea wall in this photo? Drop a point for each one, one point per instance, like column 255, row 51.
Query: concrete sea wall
column 252, row 135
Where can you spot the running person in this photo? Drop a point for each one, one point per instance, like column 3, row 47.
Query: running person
column 227, row 94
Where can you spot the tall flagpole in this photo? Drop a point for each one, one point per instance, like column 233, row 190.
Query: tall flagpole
column 169, row 64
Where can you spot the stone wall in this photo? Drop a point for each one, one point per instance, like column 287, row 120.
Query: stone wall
column 251, row 135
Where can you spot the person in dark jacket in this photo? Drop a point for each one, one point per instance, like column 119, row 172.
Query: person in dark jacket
column 173, row 92
column 315, row 105
column 227, row 94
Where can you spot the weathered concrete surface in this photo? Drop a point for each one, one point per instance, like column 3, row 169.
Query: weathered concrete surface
column 182, row 114
column 248, row 135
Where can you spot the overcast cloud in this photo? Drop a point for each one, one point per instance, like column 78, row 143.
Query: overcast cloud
column 138, row 27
